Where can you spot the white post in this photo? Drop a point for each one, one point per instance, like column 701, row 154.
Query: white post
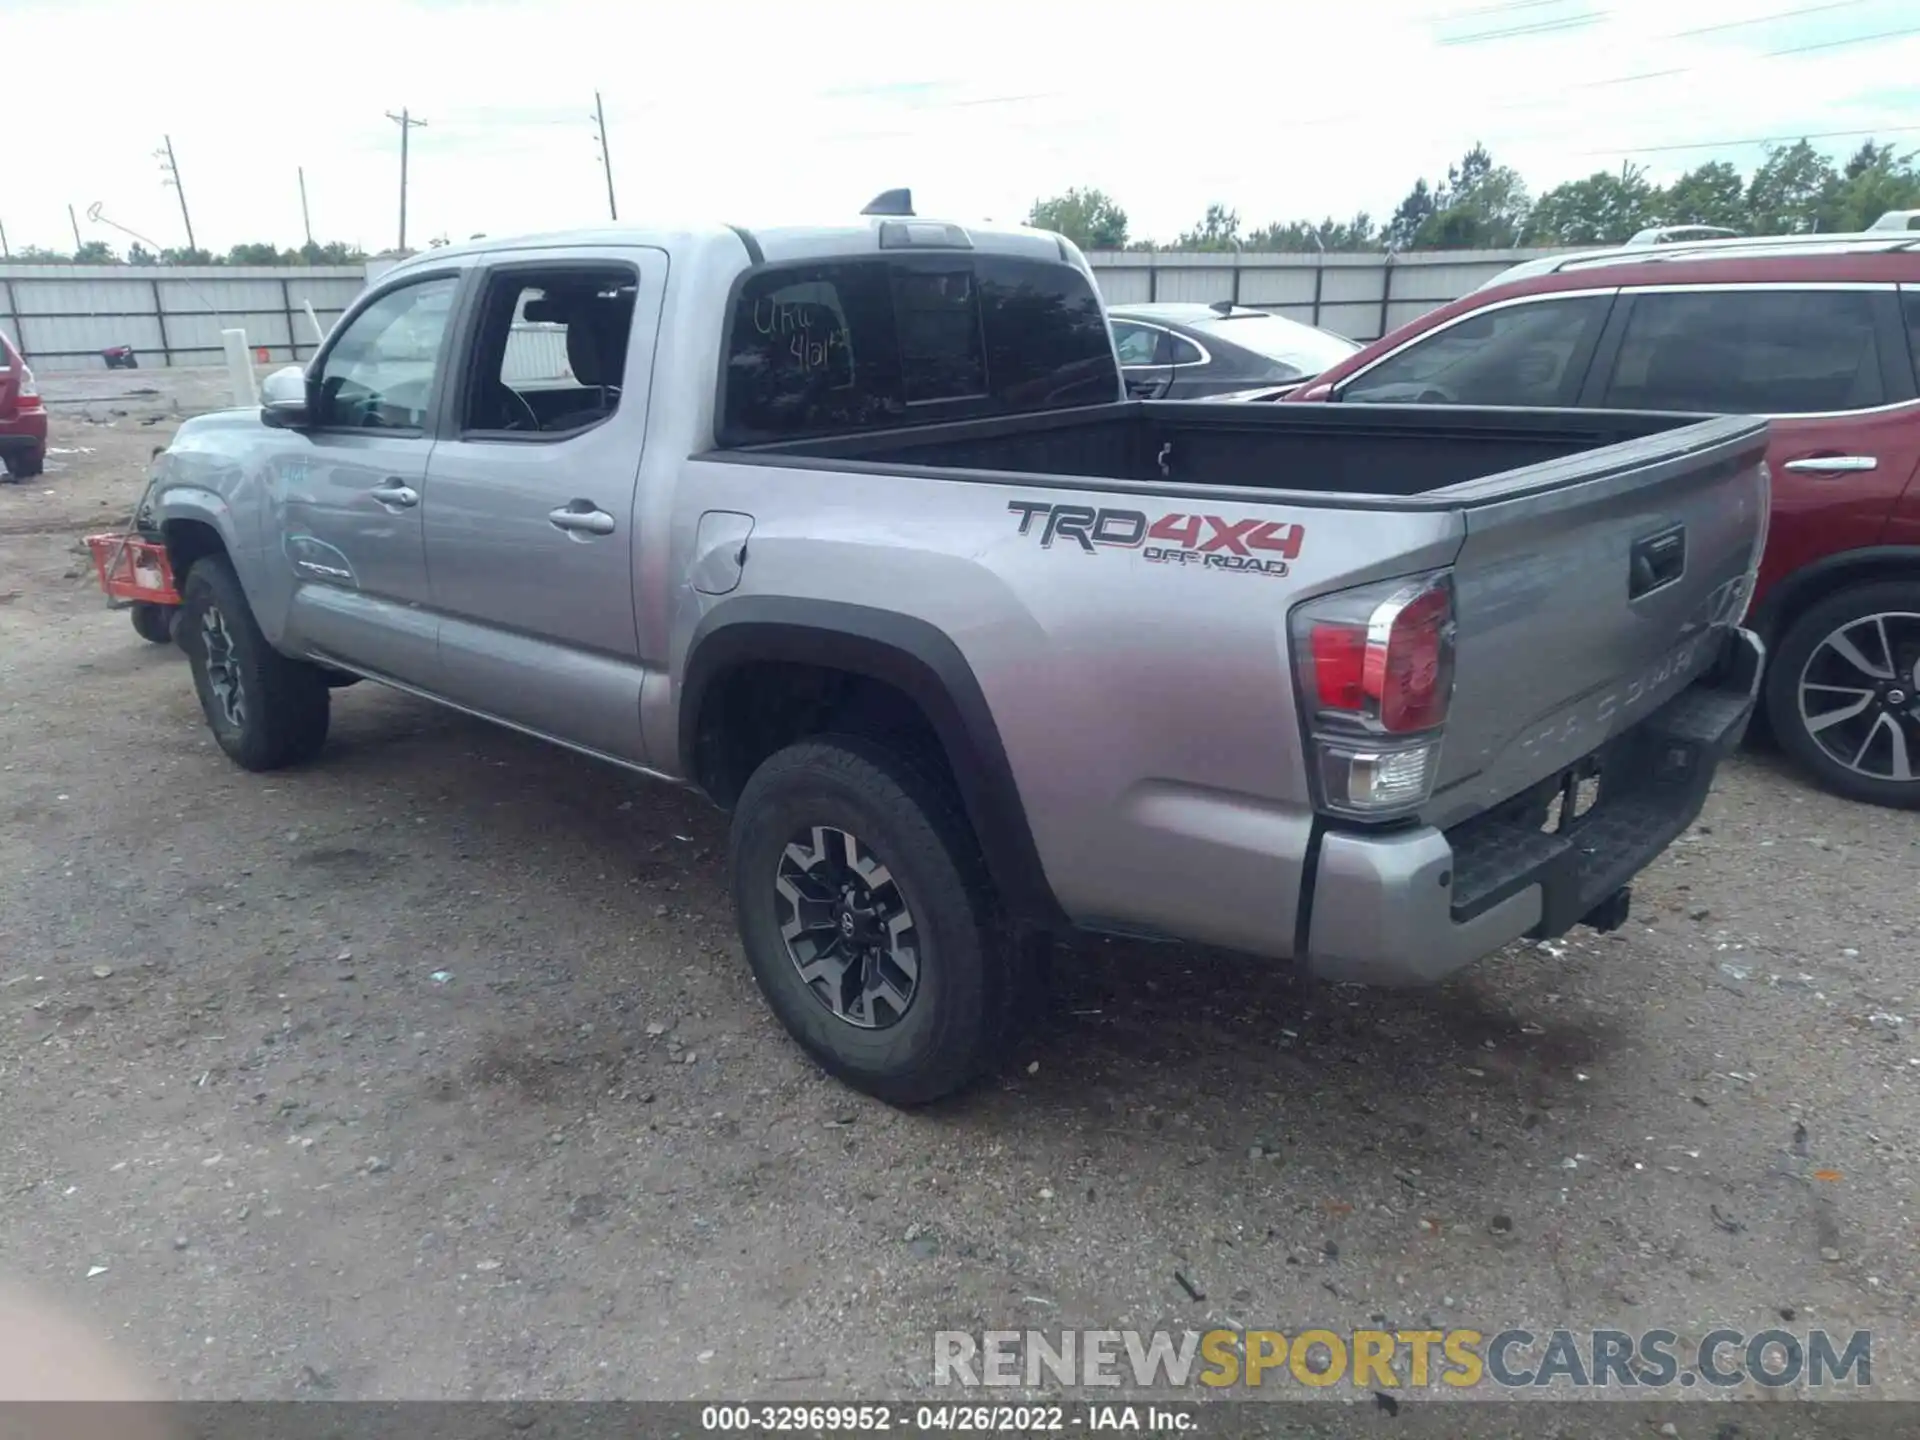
column 240, row 367
column 319, row 334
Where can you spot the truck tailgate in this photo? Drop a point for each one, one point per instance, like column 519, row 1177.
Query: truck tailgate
column 1589, row 591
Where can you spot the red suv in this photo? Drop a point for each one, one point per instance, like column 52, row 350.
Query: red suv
column 1821, row 336
column 23, row 419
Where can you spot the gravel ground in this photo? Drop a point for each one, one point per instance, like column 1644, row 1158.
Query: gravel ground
column 434, row 1070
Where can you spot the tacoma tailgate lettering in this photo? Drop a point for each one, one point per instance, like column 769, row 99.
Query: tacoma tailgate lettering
column 1229, row 544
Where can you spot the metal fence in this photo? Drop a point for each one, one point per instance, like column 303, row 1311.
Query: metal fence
column 63, row 316
column 1359, row 296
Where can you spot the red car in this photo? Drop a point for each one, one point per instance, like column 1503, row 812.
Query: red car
column 1823, row 336
column 23, row 419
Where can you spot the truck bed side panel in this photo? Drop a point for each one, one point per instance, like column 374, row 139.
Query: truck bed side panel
column 1145, row 706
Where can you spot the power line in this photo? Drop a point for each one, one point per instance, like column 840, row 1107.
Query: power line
column 1543, row 27
column 1793, row 14
column 1761, row 140
column 1848, row 40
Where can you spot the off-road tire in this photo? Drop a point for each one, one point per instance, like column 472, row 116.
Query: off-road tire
column 154, row 623
column 972, row 981
column 1784, row 668
column 284, row 703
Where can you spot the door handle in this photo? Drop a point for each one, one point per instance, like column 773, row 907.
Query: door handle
column 1834, row 464
column 581, row 517
column 395, row 495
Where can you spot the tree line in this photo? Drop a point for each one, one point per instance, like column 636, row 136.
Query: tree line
column 99, row 252
column 1481, row 205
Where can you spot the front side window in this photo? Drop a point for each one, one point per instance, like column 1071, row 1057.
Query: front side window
column 851, row 345
column 380, row 374
column 1531, row 354
column 1749, row 352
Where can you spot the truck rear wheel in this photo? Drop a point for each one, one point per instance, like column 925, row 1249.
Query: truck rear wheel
column 265, row 710
column 1843, row 693
column 868, row 917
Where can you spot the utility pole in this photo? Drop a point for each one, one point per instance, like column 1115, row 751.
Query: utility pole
column 171, row 169
column 306, row 220
column 74, row 221
column 407, row 124
column 5, row 253
column 606, row 159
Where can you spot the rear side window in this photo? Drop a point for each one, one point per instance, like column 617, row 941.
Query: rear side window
column 1185, row 352
column 1531, row 354
column 1137, row 344
column 866, row 344
column 1749, row 352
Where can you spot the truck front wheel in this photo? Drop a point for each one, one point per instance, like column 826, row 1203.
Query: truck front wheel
column 868, row 918
column 266, row 710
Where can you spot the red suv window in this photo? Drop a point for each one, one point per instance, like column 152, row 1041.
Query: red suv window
column 1532, row 353
column 1732, row 351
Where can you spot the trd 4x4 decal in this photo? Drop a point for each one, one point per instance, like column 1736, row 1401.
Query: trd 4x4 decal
column 1261, row 547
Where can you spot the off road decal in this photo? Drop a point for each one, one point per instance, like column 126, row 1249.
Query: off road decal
column 1260, row 547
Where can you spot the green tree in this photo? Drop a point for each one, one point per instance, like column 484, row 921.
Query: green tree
column 1306, row 237
column 1409, row 215
column 256, row 253
column 38, row 255
column 184, row 256
column 1089, row 218
column 1602, row 209
column 95, row 252
column 138, row 254
column 1219, row 229
column 1481, row 206
column 1709, row 194
column 1874, row 182
column 334, row 252
column 1794, row 192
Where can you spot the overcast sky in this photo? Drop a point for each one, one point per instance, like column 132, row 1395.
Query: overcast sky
column 752, row 112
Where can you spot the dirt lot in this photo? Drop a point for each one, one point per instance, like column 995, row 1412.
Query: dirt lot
column 434, row 1070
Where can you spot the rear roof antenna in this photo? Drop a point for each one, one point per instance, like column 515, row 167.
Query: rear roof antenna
column 890, row 202
column 1222, row 307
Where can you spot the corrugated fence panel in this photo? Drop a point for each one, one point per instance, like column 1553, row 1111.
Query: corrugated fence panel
column 1353, row 298
column 64, row 315
column 536, row 352
column 1123, row 286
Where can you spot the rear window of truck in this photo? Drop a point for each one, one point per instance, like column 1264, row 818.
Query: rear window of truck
column 848, row 345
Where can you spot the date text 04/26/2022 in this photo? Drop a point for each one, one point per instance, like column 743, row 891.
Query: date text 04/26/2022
column 945, row 1418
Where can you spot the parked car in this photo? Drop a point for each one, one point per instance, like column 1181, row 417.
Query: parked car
column 1218, row 352
column 23, row 416
column 1821, row 337
column 851, row 528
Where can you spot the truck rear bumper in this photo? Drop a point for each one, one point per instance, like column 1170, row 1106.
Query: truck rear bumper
column 1411, row 907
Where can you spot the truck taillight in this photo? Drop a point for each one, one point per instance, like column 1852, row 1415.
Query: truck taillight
column 1376, row 676
column 29, row 396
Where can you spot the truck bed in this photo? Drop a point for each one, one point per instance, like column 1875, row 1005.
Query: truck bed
column 1378, row 454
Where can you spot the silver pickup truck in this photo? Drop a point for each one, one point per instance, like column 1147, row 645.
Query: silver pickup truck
column 852, row 529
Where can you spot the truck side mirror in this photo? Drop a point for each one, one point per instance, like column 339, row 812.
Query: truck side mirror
column 283, row 399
